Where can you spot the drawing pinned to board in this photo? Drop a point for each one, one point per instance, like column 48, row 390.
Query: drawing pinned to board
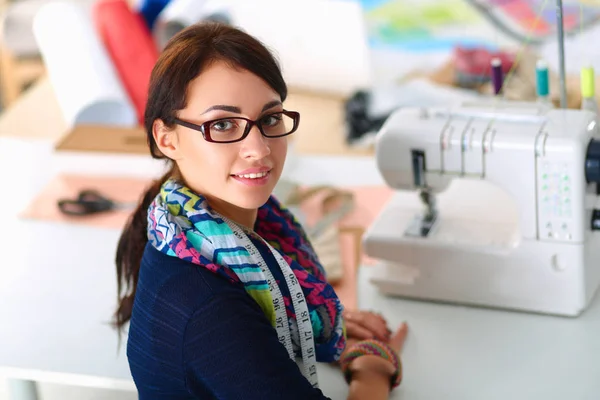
column 440, row 25
column 534, row 21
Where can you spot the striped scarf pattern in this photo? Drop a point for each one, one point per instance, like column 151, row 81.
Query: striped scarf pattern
column 182, row 224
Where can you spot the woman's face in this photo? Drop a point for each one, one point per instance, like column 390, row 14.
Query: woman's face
column 215, row 169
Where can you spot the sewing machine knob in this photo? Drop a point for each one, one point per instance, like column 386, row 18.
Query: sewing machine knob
column 596, row 220
column 592, row 162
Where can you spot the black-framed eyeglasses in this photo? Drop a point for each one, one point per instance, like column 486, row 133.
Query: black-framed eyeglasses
column 234, row 129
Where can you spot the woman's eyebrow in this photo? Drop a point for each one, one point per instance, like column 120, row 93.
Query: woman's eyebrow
column 271, row 104
column 237, row 110
column 222, row 107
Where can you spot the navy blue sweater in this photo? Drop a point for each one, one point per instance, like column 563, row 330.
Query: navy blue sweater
column 195, row 335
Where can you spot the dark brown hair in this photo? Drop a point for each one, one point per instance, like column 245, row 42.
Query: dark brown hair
column 182, row 60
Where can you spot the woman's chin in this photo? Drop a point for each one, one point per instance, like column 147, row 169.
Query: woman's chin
column 252, row 193
column 251, row 199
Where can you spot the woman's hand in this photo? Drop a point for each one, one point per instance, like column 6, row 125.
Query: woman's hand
column 395, row 341
column 371, row 374
column 376, row 363
column 361, row 325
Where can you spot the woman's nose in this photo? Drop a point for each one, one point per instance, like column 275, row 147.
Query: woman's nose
column 255, row 145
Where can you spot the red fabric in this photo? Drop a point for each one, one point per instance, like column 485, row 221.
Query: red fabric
column 477, row 61
column 129, row 43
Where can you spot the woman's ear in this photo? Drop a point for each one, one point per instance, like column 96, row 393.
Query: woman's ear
column 166, row 140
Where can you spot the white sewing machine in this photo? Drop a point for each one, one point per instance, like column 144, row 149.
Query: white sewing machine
column 495, row 207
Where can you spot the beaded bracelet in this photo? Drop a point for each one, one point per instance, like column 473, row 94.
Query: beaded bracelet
column 375, row 348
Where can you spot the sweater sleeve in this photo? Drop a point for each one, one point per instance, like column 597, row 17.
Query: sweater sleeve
column 231, row 350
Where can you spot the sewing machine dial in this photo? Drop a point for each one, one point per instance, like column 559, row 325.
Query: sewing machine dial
column 592, row 162
column 592, row 175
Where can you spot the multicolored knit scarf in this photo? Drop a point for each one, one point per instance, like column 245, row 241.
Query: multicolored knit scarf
column 182, row 224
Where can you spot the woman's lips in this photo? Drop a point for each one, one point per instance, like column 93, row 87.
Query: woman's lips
column 253, row 178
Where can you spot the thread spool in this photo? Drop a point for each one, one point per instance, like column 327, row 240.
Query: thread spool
column 497, row 75
column 542, row 79
column 588, row 90
column 587, row 82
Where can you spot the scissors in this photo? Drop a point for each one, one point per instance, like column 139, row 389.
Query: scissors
column 90, row 202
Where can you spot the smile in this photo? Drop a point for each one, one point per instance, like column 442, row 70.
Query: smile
column 256, row 175
column 253, row 179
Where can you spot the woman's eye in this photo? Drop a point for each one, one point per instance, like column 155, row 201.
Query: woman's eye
column 271, row 120
column 222, row 125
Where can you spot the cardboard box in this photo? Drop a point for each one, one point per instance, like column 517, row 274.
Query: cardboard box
column 103, row 139
column 106, row 150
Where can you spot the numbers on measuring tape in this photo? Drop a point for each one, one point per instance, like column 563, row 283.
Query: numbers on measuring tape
column 292, row 278
column 308, row 336
column 304, row 317
column 279, row 323
column 303, row 325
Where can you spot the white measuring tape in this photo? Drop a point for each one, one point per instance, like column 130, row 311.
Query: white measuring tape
column 282, row 324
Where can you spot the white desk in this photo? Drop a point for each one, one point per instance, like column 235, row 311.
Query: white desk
column 55, row 302
column 464, row 353
column 58, row 281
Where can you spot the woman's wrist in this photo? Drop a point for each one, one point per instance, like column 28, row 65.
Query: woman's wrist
column 372, row 368
column 372, row 357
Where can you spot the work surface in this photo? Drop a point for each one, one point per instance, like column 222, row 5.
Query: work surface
column 57, row 281
column 57, row 293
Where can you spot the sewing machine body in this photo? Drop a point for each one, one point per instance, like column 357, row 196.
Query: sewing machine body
column 513, row 214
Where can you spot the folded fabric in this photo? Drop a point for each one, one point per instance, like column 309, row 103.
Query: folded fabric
column 324, row 234
column 128, row 40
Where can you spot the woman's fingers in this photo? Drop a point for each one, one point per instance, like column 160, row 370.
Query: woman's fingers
column 375, row 323
column 380, row 317
column 378, row 325
column 398, row 338
column 357, row 331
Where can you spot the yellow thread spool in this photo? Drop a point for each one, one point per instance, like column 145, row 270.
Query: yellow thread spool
column 588, row 86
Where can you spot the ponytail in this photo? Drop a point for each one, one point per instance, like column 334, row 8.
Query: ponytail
column 130, row 250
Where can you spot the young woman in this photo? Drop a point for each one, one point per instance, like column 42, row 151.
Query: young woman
column 222, row 290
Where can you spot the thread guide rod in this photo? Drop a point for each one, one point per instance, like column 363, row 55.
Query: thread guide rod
column 561, row 53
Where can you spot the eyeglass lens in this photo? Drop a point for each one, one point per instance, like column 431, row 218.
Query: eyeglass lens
column 228, row 129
